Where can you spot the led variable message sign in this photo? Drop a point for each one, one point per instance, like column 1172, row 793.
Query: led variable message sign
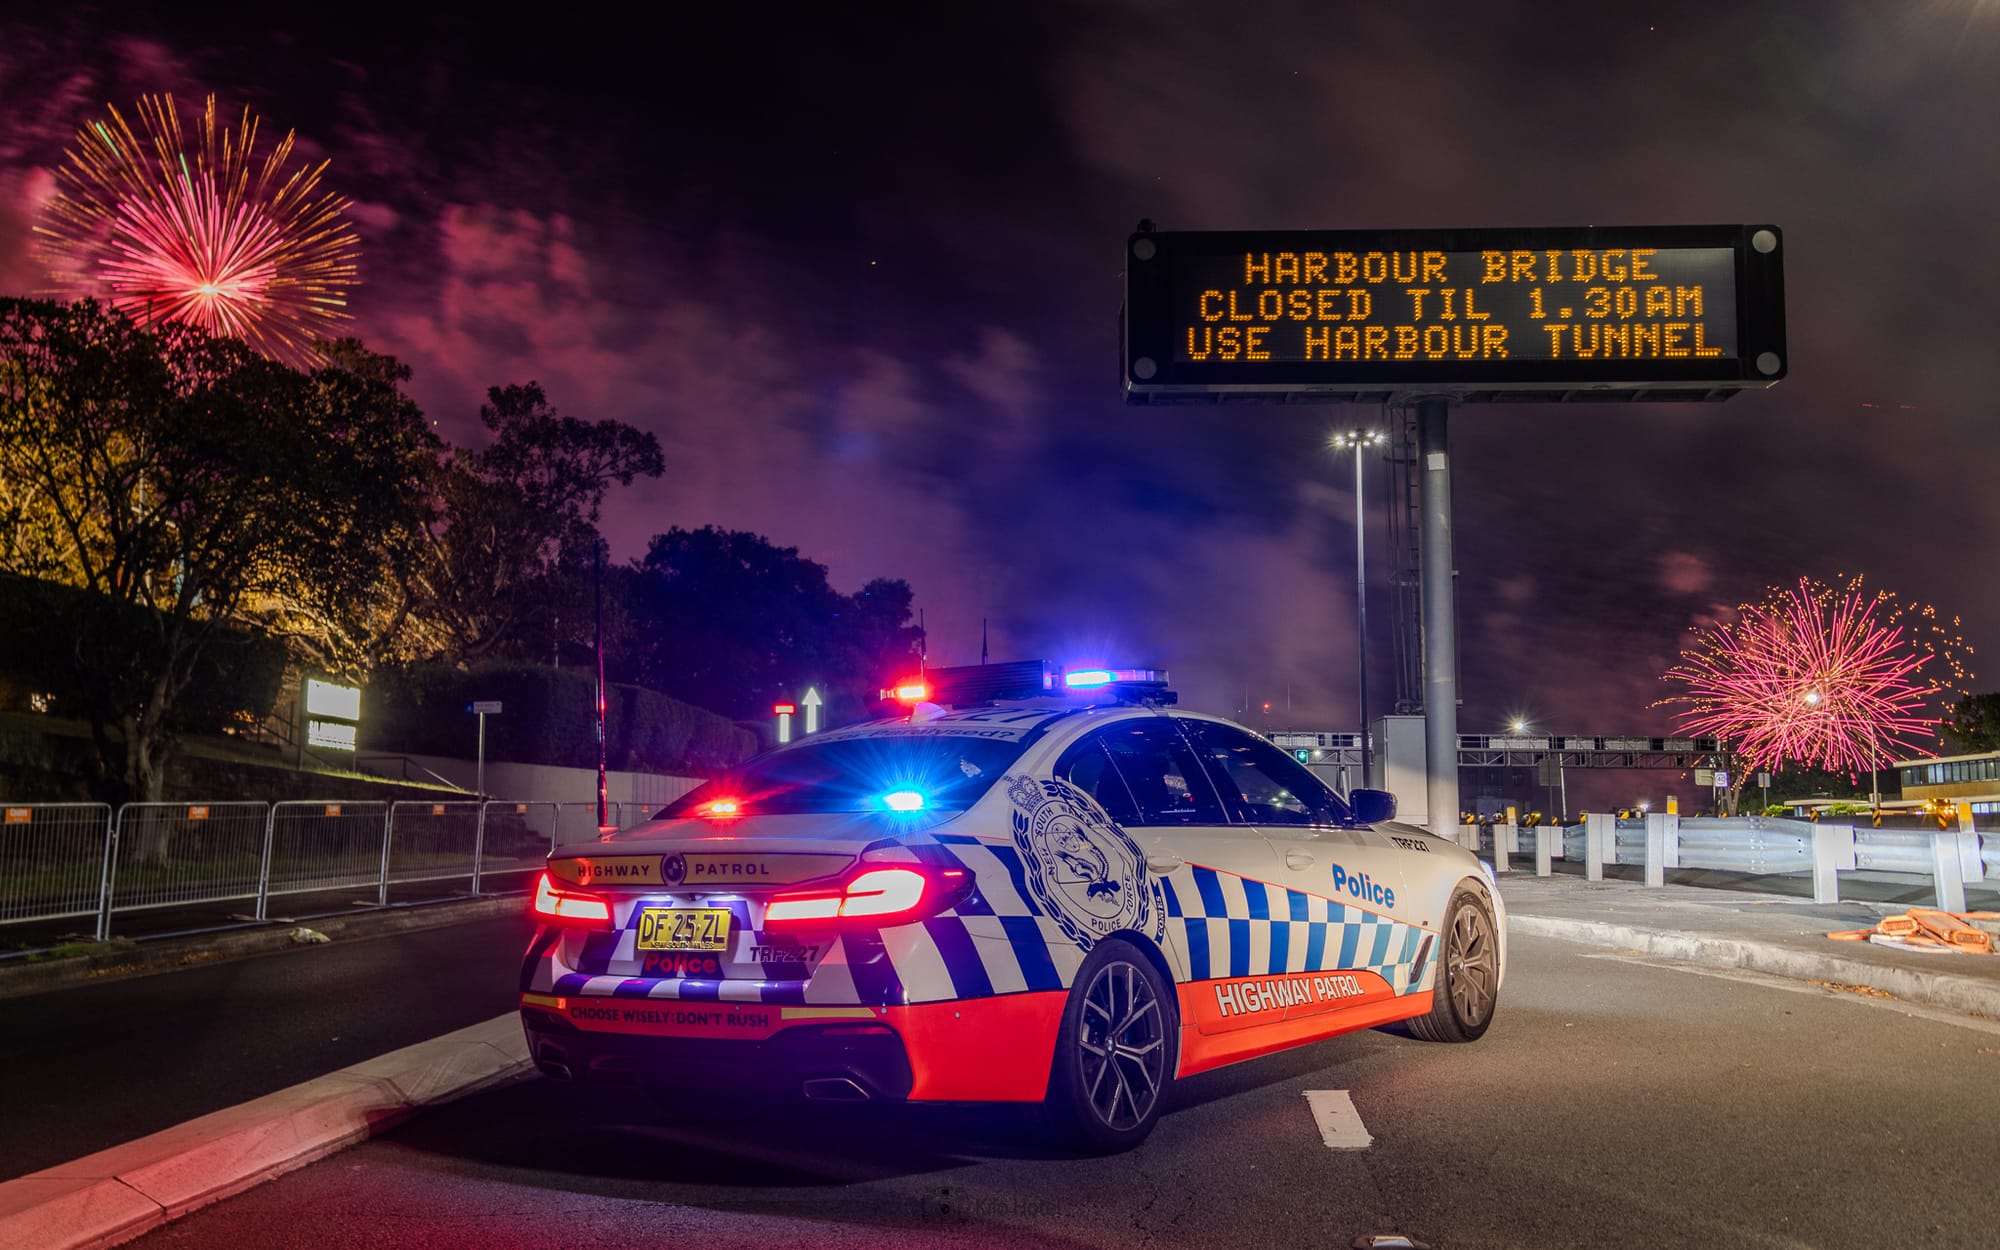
column 1670, row 312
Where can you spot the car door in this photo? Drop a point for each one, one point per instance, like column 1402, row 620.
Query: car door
column 1147, row 778
column 1342, row 883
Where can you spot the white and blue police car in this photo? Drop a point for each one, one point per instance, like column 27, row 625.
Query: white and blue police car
column 1038, row 886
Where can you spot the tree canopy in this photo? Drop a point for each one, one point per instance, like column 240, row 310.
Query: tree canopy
column 728, row 621
column 502, row 565
column 188, row 484
column 1974, row 722
column 172, row 501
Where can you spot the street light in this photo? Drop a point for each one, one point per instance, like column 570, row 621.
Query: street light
column 1344, row 441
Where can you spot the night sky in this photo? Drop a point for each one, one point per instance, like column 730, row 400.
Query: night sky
column 860, row 271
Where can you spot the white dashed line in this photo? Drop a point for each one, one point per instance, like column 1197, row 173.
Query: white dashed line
column 1339, row 1123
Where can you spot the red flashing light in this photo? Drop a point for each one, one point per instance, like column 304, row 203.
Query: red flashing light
column 875, row 898
column 570, row 908
column 785, row 709
column 723, row 807
column 913, row 690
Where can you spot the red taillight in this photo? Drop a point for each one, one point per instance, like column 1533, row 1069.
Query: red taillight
column 570, row 907
column 876, row 898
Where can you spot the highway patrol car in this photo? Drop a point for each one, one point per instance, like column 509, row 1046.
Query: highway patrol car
column 1071, row 899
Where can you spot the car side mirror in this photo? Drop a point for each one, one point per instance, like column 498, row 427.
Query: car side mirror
column 1372, row 807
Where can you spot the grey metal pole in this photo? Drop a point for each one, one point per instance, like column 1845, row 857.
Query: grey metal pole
column 479, row 845
column 1361, row 610
column 1439, row 617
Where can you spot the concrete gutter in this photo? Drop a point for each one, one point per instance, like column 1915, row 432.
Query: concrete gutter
column 120, row 1193
column 1931, row 986
column 1779, row 936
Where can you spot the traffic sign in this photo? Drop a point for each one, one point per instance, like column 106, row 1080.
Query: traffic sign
column 489, row 707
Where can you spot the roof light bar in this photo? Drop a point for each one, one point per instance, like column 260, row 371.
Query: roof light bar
column 1029, row 679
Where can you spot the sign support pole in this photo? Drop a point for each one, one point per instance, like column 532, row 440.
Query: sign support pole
column 1439, row 616
column 481, row 783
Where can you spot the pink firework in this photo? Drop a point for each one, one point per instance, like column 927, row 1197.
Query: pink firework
column 205, row 232
column 1816, row 675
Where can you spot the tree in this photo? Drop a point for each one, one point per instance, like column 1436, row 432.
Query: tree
column 726, row 620
column 516, row 522
column 1974, row 721
column 351, row 623
column 186, row 484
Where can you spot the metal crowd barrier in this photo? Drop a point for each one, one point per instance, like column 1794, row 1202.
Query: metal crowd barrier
column 54, row 861
column 61, row 861
column 165, row 854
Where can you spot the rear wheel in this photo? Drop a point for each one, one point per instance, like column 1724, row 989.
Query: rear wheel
column 1467, row 987
column 1114, row 1055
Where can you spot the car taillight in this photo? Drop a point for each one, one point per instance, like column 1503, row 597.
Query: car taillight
column 570, row 907
column 875, row 898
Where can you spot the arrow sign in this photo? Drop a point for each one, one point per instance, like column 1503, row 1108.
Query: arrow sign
column 812, row 703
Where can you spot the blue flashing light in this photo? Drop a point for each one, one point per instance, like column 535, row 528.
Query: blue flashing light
column 1089, row 678
column 904, row 801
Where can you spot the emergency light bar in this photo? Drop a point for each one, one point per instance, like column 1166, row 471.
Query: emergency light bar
column 1033, row 679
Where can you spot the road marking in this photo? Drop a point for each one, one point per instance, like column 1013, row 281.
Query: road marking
column 1339, row 1123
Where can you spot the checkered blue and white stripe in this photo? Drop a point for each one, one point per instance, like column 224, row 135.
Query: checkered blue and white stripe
column 998, row 941
column 995, row 942
column 1231, row 926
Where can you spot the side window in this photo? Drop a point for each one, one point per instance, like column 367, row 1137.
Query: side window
column 1087, row 767
column 1260, row 784
column 1166, row 781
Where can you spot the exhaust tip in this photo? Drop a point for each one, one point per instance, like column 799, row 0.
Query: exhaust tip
column 835, row 1089
column 554, row 1063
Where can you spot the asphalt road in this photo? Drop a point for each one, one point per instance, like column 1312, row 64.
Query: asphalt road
column 1615, row 1103
column 90, row 1067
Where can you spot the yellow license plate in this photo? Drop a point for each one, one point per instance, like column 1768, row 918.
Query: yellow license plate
column 684, row 929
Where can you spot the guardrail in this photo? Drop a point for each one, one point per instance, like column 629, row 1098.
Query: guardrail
column 61, row 861
column 1760, row 845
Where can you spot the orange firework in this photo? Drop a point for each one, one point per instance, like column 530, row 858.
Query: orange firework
column 197, row 227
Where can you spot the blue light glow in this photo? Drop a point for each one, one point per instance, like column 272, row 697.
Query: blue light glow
column 903, row 801
column 1089, row 678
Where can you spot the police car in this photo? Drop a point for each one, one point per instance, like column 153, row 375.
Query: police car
column 1057, row 889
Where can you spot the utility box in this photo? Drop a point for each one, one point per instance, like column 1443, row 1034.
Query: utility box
column 1399, row 768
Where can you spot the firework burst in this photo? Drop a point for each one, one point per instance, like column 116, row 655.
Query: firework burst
column 1831, row 676
column 195, row 226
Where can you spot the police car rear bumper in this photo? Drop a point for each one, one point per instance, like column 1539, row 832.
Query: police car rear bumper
column 835, row 1061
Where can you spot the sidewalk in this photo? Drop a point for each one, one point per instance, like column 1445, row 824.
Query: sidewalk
column 1781, row 935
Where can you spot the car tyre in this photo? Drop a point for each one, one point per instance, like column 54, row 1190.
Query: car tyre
column 1467, row 986
column 1114, row 1053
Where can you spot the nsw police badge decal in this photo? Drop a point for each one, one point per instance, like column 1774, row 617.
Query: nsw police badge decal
column 1082, row 868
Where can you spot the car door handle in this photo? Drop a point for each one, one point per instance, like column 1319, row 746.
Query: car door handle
column 1298, row 859
column 1162, row 862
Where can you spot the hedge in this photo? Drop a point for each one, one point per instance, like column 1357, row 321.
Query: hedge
column 548, row 719
column 238, row 674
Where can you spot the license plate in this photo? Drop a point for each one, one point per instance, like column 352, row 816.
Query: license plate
column 684, row 929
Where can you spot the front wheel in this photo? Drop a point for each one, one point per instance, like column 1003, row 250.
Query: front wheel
column 1467, row 987
column 1115, row 1053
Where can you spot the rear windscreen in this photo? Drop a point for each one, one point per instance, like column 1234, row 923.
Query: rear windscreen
column 901, row 772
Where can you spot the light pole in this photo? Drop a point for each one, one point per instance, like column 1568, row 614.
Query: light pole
column 1343, row 441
